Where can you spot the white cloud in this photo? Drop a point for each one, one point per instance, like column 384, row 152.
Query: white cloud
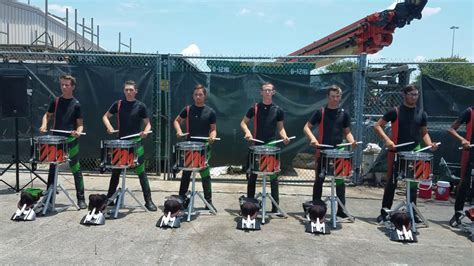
column 289, row 23
column 260, row 14
column 129, row 4
column 243, row 12
column 192, row 49
column 392, row 6
column 59, row 10
column 429, row 11
column 419, row 58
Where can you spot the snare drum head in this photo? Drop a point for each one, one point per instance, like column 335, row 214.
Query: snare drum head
column 190, row 145
column 50, row 139
column 264, row 149
column 333, row 153
column 119, row 143
column 415, row 156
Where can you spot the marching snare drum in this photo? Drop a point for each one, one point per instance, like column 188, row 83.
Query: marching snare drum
column 264, row 159
column 415, row 165
column 119, row 153
column 191, row 155
column 337, row 163
column 49, row 149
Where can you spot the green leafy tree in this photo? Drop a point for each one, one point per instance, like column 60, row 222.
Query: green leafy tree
column 460, row 74
column 341, row 66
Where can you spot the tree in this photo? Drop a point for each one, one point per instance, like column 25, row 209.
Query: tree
column 341, row 66
column 459, row 74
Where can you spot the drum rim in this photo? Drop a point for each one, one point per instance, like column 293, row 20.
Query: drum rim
column 114, row 143
column 50, row 139
column 414, row 154
column 261, row 149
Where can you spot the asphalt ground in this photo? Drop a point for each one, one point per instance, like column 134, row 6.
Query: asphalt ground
column 58, row 238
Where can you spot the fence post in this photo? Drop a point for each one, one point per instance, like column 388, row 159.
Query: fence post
column 359, row 115
column 157, row 117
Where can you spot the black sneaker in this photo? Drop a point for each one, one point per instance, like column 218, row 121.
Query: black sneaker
column 456, row 219
column 210, row 203
column 82, row 204
column 418, row 219
column 341, row 214
column 383, row 217
column 149, row 205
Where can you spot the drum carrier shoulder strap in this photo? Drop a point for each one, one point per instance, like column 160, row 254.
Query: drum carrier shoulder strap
column 255, row 124
column 119, row 104
column 395, row 127
column 465, row 153
column 56, row 103
column 321, row 132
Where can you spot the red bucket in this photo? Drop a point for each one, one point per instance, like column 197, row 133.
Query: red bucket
column 425, row 190
column 442, row 190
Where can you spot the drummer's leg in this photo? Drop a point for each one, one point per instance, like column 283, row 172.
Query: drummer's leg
column 75, row 166
column 52, row 168
column 184, row 185
column 142, row 176
column 462, row 188
column 389, row 191
column 318, row 181
column 206, row 177
column 275, row 190
column 251, row 184
column 114, row 181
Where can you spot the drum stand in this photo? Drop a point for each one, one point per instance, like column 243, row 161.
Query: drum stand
column 51, row 195
column 264, row 194
column 410, row 207
column 191, row 210
column 120, row 194
column 334, row 200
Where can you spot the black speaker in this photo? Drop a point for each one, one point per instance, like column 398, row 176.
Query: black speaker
column 13, row 95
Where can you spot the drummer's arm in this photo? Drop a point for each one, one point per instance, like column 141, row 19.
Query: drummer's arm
column 282, row 132
column 245, row 128
column 378, row 128
column 79, row 128
column 144, row 133
column 427, row 139
column 309, row 134
column 452, row 131
column 106, row 121
column 212, row 133
column 177, row 126
column 44, row 122
column 348, row 135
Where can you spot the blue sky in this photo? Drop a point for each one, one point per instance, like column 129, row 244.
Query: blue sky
column 266, row 28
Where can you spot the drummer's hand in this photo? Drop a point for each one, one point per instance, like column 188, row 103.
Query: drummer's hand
column 75, row 134
column 465, row 144
column 354, row 144
column 143, row 134
column 179, row 134
column 211, row 139
column 314, row 143
column 434, row 146
column 286, row 140
column 43, row 129
column 248, row 136
column 110, row 130
column 390, row 145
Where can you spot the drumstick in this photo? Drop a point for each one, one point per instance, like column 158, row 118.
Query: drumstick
column 257, row 140
column 427, row 147
column 280, row 140
column 402, row 144
column 65, row 131
column 135, row 135
column 115, row 131
column 184, row 134
column 325, row 146
column 205, row 138
column 348, row 144
column 470, row 146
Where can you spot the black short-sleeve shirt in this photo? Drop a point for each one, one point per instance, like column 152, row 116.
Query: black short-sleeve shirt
column 267, row 118
column 200, row 120
column 335, row 121
column 410, row 122
column 66, row 113
column 464, row 118
column 130, row 116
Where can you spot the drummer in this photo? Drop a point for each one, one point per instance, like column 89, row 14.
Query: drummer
column 409, row 124
column 200, row 122
column 334, row 124
column 67, row 116
column 266, row 125
column 130, row 113
column 467, row 161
